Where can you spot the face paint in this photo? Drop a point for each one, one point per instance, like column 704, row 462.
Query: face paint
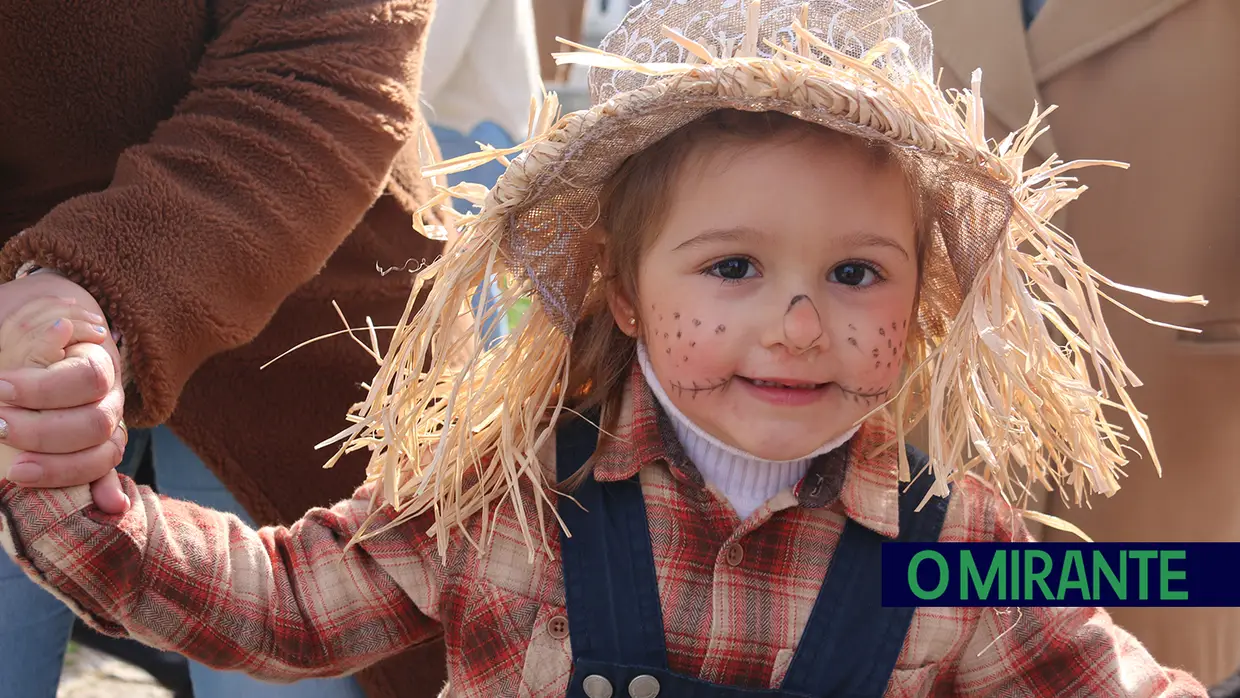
column 802, row 323
column 766, row 348
column 869, row 396
column 693, row 389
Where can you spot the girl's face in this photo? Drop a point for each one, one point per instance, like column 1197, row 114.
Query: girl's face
column 776, row 298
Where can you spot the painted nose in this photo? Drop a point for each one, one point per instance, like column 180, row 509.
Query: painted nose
column 802, row 325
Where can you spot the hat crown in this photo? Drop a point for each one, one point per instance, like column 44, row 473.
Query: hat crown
column 852, row 27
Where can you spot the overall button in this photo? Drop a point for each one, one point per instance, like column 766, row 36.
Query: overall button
column 557, row 627
column 596, row 686
column 644, row 686
column 735, row 554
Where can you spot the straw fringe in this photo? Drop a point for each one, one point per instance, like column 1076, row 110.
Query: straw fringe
column 460, row 437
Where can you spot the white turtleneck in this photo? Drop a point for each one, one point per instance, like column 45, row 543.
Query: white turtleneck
column 745, row 480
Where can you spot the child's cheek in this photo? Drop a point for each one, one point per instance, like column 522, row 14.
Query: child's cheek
column 876, row 349
column 684, row 343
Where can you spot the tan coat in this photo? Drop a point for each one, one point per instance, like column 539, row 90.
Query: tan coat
column 1153, row 83
column 556, row 18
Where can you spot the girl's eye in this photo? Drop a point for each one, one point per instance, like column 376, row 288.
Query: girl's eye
column 733, row 269
column 854, row 274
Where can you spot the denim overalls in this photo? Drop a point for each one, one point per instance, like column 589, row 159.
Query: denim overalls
column 848, row 649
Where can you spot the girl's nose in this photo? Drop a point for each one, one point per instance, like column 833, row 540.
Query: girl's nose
column 803, row 328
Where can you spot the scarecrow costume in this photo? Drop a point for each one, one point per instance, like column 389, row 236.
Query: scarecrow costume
column 636, row 580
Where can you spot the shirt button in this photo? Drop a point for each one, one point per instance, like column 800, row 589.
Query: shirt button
column 735, row 554
column 557, row 627
column 644, row 686
column 596, row 686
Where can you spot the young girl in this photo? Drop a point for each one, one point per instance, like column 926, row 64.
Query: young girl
column 768, row 249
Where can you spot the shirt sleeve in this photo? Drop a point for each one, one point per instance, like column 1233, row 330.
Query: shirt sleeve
column 1056, row 651
column 1063, row 652
column 280, row 604
column 295, row 115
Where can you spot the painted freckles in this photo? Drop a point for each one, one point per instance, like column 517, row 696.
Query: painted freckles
column 884, row 346
column 679, row 338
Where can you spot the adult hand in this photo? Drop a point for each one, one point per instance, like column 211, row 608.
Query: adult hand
column 66, row 419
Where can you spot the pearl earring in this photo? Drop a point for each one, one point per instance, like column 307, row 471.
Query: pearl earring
column 632, row 321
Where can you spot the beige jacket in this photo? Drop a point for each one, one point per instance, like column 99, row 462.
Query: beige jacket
column 1156, row 84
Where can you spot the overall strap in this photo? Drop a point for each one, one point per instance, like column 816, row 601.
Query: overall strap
column 851, row 642
column 610, row 587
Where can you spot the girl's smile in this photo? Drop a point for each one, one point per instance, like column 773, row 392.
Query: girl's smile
column 785, row 392
column 774, row 298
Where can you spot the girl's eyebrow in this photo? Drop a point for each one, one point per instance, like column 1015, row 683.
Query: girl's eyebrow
column 860, row 238
column 864, row 238
column 721, row 235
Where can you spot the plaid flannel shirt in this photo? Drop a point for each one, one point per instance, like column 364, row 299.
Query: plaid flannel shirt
column 290, row 603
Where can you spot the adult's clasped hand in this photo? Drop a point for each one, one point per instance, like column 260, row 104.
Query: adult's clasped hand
column 65, row 421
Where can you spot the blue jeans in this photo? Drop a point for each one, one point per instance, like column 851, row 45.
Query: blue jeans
column 35, row 626
column 34, row 631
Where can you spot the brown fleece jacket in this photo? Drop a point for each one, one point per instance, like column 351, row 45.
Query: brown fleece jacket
column 216, row 174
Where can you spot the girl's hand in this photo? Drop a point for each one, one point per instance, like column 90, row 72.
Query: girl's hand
column 39, row 333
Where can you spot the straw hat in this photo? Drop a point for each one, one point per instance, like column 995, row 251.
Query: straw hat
column 1010, row 322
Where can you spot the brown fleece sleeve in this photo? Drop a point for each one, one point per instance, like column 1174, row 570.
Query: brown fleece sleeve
column 297, row 111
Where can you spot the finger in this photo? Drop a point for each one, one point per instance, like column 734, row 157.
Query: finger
column 69, row 469
column 43, row 311
column 41, row 352
column 66, row 430
column 38, row 349
column 86, row 375
column 48, row 346
column 82, row 331
column 108, row 495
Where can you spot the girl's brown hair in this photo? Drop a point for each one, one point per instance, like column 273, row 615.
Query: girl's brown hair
column 633, row 204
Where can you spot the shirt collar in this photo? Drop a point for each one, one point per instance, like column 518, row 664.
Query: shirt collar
column 644, row 433
column 862, row 476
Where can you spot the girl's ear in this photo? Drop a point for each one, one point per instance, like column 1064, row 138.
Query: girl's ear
column 622, row 310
